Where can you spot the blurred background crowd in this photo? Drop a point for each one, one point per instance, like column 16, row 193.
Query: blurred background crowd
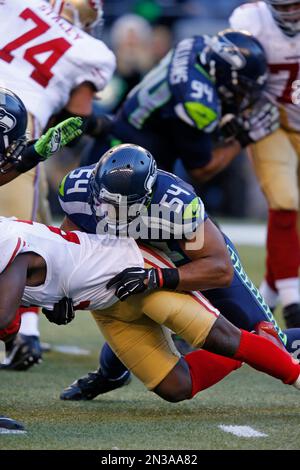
column 141, row 32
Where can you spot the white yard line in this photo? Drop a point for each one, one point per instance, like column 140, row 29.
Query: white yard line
column 242, row 431
column 12, row 431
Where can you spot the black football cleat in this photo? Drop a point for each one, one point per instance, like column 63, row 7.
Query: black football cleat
column 9, row 424
column 22, row 353
column 92, row 385
column 291, row 315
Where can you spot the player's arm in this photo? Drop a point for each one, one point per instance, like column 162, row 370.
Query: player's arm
column 221, row 157
column 12, row 285
column 210, row 266
column 81, row 104
column 24, row 157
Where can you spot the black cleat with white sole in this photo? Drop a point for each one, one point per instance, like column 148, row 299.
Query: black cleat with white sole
column 22, row 353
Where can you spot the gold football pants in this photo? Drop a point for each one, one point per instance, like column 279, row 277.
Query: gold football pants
column 138, row 330
column 276, row 162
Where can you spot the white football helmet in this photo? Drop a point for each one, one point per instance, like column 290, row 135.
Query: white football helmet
column 287, row 15
column 85, row 14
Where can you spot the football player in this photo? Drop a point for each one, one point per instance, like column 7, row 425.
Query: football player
column 179, row 104
column 172, row 215
column 276, row 24
column 17, row 156
column 39, row 265
column 50, row 59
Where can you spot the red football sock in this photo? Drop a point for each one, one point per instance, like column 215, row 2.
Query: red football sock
column 263, row 355
column 283, row 246
column 22, row 310
column 207, row 369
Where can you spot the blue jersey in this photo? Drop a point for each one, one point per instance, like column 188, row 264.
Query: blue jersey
column 172, row 112
column 241, row 303
column 174, row 214
column 178, row 88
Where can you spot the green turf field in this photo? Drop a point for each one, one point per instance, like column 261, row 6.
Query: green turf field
column 132, row 418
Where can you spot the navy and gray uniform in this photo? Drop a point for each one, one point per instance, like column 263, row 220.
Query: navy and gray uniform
column 241, row 302
column 171, row 112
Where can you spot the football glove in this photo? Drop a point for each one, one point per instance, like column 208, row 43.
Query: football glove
column 253, row 125
column 62, row 313
column 57, row 137
column 133, row 281
column 24, row 155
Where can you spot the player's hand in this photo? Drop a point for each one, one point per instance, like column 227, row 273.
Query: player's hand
column 57, row 137
column 62, row 313
column 12, row 155
column 254, row 125
column 133, row 281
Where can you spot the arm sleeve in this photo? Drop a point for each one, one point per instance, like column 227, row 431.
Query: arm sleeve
column 101, row 69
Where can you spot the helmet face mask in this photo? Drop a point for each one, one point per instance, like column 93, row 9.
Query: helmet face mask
column 121, row 186
column 286, row 14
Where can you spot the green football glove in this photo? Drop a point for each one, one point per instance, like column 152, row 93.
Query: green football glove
column 57, row 137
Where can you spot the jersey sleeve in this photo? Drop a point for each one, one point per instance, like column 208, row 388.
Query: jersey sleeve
column 246, row 17
column 73, row 197
column 10, row 248
column 193, row 216
column 99, row 67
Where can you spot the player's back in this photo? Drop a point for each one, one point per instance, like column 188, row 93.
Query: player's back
column 283, row 55
column 43, row 57
column 177, row 88
column 78, row 265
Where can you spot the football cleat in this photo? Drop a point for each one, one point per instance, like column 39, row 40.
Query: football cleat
column 22, row 353
column 9, row 424
column 268, row 331
column 291, row 315
column 92, row 385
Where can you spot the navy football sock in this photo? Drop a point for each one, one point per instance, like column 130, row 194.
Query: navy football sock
column 111, row 366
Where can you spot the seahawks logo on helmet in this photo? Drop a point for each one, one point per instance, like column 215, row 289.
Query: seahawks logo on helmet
column 227, row 51
column 7, row 121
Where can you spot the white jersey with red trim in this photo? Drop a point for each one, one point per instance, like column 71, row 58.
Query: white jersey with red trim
column 43, row 57
column 79, row 265
column 283, row 55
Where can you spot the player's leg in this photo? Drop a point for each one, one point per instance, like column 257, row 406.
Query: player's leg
column 276, row 163
column 199, row 324
column 146, row 348
column 244, row 306
column 142, row 344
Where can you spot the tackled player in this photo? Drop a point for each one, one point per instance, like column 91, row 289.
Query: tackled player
column 32, row 273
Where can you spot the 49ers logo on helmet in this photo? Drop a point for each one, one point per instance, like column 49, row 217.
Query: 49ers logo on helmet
column 96, row 4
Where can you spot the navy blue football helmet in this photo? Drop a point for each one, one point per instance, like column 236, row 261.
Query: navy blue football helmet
column 237, row 63
column 13, row 121
column 123, row 179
